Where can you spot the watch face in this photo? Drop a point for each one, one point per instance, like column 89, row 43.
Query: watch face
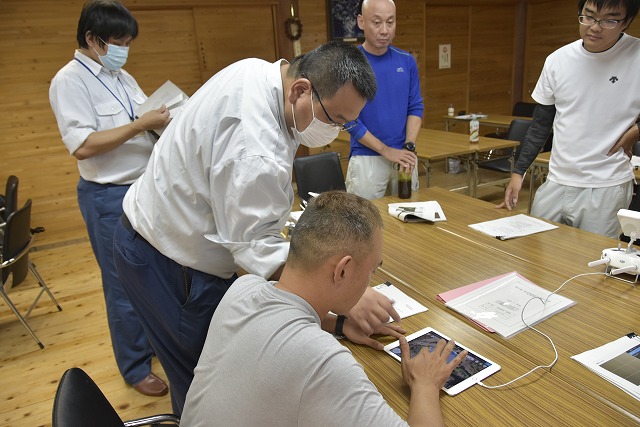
column 409, row 146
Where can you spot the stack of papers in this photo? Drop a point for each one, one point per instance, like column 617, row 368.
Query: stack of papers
column 618, row 362
column 469, row 116
column 168, row 94
column 496, row 304
column 417, row 211
column 403, row 303
column 513, row 226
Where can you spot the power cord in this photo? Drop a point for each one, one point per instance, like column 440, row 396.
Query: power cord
column 555, row 350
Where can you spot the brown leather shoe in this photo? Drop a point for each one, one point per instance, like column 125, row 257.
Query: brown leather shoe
column 152, row 385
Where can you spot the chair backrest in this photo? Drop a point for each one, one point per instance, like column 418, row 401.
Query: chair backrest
column 79, row 402
column 10, row 197
column 517, row 131
column 523, row 109
column 318, row 173
column 17, row 235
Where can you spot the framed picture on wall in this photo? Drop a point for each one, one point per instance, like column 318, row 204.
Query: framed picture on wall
column 343, row 20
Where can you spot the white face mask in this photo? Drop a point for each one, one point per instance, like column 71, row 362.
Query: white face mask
column 317, row 134
column 115, row 58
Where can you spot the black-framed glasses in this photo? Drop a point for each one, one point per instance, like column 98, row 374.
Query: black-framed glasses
column 343, row 126
column 606, row 24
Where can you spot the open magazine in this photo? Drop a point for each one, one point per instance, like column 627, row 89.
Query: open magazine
column 617, row 361
column 417, row 211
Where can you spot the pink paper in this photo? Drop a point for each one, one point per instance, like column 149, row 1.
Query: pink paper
column 455, row 293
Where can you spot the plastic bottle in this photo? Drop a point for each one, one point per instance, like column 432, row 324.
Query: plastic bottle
column 404, row 184
column 404, row 177
column 474, row 129
column 451, row 111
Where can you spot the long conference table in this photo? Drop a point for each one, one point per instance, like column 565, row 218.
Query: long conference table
column 424, row 259
column 499, row 121
column 433, row 145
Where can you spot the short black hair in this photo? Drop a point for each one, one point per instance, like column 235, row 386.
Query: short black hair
column 632, row 6
column 332, row 65
column 105, row 19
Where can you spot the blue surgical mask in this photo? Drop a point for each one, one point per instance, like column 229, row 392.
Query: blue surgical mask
column 115, row 58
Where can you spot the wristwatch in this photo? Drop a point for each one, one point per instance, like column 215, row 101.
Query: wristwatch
column 339, row 324
column 409, row 145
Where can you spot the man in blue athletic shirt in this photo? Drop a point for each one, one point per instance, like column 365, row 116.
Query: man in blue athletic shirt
column 388, row 125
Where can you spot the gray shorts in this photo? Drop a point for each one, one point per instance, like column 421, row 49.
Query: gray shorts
column 373, row 177
column 590, row 209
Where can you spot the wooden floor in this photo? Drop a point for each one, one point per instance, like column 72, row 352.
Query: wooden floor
column 78, row 335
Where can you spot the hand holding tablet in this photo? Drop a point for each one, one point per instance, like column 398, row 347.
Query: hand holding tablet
column 472, row 369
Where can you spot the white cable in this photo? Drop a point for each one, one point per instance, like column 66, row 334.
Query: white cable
column 555, row 350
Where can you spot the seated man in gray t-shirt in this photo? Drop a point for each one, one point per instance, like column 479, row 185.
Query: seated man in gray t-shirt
column 268, row 359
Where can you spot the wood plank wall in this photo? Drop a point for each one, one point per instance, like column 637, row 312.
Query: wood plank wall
column 183, row 41
column 492, row 66
column 188, row 41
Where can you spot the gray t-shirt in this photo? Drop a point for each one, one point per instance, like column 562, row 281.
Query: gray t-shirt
column 267, row 362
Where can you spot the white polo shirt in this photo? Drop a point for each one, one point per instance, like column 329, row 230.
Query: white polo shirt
column 86, row 98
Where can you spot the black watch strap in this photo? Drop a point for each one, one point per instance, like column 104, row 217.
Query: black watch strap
column 410, row 145
column 339, row 325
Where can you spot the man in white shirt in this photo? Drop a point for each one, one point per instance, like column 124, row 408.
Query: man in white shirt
column 95, row 102
column 589, row 91
column 217, row 192
column 270, row 358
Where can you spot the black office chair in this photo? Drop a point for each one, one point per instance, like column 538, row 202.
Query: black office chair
column 517, row 131
column 15, row 263
column 318, row 173
column 79, row 402
column 8, row 201
column 520, row 109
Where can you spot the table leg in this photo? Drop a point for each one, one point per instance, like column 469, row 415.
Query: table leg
column 531, row 179
column 474, row 165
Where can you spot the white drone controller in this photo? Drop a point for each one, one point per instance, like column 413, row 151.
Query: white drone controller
column 619, row 260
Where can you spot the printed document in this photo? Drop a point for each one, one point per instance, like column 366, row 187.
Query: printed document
column 168, row 94
column 618, row 362
column 499, row 304
column 403, row 303
column 513, row 226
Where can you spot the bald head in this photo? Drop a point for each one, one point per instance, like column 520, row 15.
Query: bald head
column 366, row 3
column 378, row 21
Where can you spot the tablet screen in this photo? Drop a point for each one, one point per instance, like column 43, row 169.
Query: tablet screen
column 472, row 369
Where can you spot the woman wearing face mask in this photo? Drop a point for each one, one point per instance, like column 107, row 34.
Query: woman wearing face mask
column 95, row 104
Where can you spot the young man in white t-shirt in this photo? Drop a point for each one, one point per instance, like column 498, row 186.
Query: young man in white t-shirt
column 589, row 92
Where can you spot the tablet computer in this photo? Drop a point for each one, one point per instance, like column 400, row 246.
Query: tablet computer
column 472, row 369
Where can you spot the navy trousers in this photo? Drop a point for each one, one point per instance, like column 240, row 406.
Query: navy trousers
column 101, row 208
column 175, row 305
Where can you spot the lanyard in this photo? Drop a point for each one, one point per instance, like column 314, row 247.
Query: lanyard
column 111, row 92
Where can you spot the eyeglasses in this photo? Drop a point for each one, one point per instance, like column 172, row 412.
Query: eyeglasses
column 344, row 126
column 606, row 24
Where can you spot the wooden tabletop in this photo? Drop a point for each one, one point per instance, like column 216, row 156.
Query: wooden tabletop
column 426, row 259
column 437, row 145
column 432, row 145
